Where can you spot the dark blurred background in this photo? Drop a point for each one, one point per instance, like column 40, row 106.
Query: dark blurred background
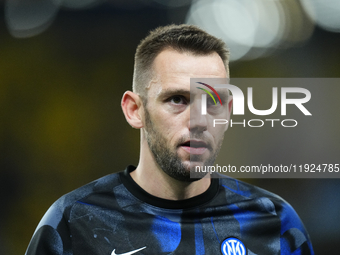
column 64, row 65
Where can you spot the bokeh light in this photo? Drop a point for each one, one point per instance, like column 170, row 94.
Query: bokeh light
column 325, row 13
column 26, row 18
column 250, row 28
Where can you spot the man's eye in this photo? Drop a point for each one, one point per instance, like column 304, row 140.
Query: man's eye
column 210, row 101
column 177, row 100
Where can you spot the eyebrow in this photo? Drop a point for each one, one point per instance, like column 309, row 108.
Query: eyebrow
column 224, row 94
column 170, row 92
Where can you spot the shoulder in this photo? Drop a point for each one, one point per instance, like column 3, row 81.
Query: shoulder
column 52, row 235
column 247, row 190
column 60, row 209
column 237, row 191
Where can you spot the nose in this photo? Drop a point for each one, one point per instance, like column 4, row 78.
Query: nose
column 197, row 121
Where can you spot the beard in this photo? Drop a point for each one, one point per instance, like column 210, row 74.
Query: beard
column 168, row 159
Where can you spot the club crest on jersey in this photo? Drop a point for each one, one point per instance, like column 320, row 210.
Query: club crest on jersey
column 233, row 246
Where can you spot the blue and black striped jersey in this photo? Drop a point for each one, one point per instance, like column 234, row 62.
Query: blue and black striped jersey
column 114, row 216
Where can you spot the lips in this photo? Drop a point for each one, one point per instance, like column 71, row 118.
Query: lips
column 196, row 147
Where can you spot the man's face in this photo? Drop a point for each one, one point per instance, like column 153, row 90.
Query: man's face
column 178, row 142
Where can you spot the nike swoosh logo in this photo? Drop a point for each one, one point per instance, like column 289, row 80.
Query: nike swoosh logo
column 127, row 253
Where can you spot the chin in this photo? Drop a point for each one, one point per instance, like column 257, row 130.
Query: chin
column 194, row 170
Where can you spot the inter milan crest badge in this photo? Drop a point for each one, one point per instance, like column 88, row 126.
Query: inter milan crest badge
column 233, row 246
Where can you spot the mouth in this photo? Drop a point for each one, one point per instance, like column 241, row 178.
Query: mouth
column 196, row 147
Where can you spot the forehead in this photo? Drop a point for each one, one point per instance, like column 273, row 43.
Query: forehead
column 173, row 70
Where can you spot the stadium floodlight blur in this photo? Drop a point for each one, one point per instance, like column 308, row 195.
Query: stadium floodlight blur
column 324, row 13
column 251, row 28
column 27, row 18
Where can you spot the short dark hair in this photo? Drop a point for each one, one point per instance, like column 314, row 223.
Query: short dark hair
column 182, row 38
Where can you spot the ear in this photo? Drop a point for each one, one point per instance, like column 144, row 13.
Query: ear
column 132, row 106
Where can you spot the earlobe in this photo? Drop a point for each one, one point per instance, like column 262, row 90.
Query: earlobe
column 131, row 106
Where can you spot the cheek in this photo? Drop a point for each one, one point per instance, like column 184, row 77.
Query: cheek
column 164, row 126
column 171, row 126
column 218, row 131
column 163, row 122
column 172, row 132
column 221, row 122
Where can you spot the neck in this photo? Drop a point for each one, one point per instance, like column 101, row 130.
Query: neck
column 153, row 180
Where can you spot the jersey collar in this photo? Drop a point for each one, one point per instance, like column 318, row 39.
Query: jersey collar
column 142, row 195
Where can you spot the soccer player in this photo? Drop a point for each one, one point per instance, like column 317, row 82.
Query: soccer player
column 156, row 208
